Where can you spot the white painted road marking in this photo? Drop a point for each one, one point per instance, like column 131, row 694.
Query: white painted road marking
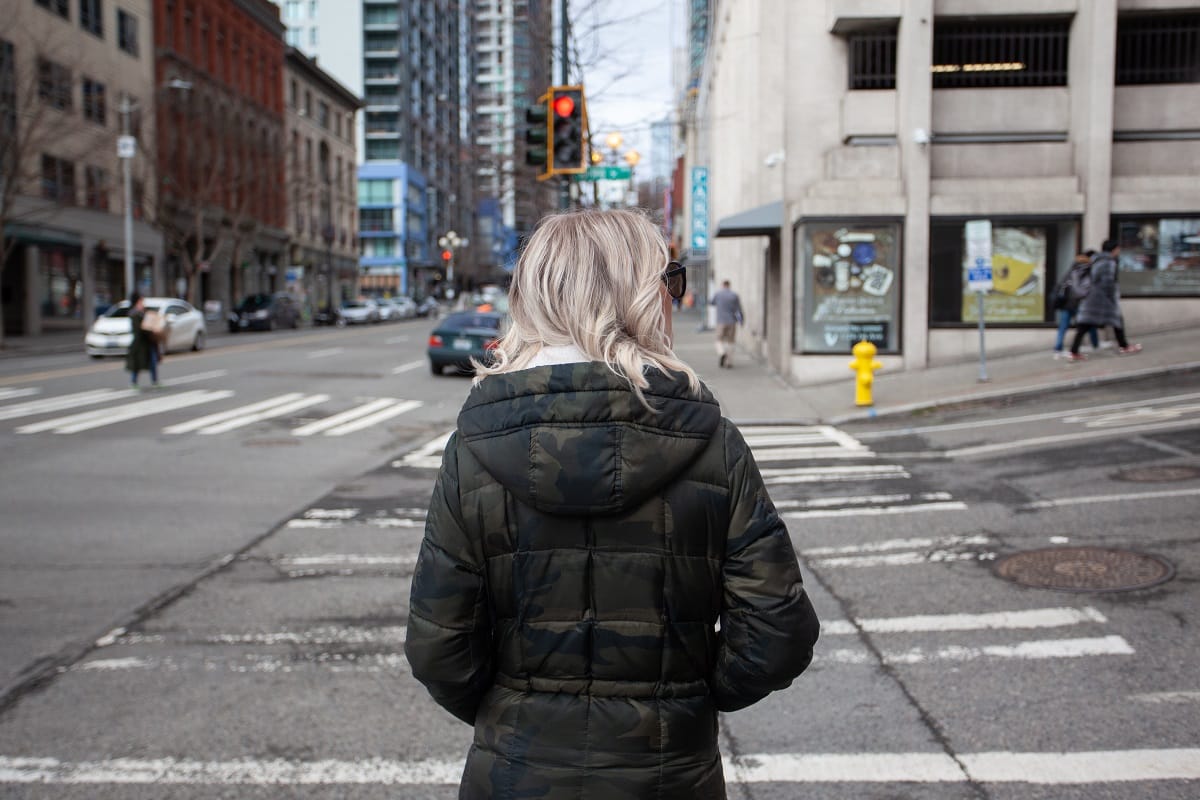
column 323, row 425
column 807, row 453
column 1069, row 438
column 1111, row 498
column 895, row 544
column 903, row 559
column 1060, row 768
column 861, row 500
column 1161, row 698
column 332, row 351
column 1033, row 651
column 259, row 416
column 409, row 366
column 428, row 455
column 344, row 560
column 400, row 407
column 830, row 474
column 322, row 635
column 222, row 416
column 996, row 620
column 49, row 405
column 877, row 511
column 256, row 663
column 109, row 416
column 11, row 394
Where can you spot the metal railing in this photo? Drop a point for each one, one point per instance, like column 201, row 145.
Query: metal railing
column 1161, row 48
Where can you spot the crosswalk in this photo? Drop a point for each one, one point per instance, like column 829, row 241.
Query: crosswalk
column 78, row 412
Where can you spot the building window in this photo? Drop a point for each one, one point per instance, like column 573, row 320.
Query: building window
column 375, row 192
column 383, row 150
column 293, row 94
column 58, row 180
column 95, row 107
column 127, row 32
column 293, row 10
column 1160, row 257
column 96, row 188
column 312, row 37
column 293, row 37
column 8, row 89
column 54, row 84
column 308, row 104
column 376, row 219
column 91, row 16
column 1163, row 48
column 873, row 60
column 970, row 54
column 323, row 114
column 1028, row 257
column 57, row 6
column 849, row 287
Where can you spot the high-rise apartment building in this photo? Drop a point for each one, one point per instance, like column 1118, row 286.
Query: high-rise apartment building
column 513, row 54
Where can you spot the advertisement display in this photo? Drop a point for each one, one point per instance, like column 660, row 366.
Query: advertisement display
column 850, row 286
column 1160, row 257
column 1018, row 275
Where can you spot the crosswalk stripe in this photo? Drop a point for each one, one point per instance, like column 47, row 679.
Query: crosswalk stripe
column 221, row 416
column 877, row 511
column 861, row 500
column 832, row 474
column 788, row 439
column 345, row 560
column 322, row 635
column 258, row 416
column 1081, row 768
column 345, row 416
column 808, row 453
column 908, row 559
column 11, row 394
column 428, row 455
column 108, row 416
column 895, row 544
column 401, row 407
column 49, row 405
column 993, row 620
column 1036, row 650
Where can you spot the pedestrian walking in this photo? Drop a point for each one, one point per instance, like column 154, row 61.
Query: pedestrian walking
column 1101, row 306
column 143, row 347
column 1066, row 303
column 602, row 570
column 729, row 316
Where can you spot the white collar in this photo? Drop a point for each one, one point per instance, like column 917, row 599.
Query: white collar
column 558, row 354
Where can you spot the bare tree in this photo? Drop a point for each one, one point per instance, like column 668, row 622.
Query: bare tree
column 37, row 75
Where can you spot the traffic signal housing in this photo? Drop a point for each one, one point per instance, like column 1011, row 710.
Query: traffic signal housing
column 537, row 136
column 568, row 130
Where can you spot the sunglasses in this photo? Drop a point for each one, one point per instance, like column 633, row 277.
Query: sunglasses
column 675, row 277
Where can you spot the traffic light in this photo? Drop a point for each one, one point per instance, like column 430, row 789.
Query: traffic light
column 568, row 130
column 537, row 134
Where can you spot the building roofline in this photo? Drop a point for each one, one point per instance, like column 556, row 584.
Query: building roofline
column 302, row 63
column 265, row 13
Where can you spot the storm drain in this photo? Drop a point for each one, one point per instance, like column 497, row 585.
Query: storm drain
column 1085, row 569
column 1158, row 474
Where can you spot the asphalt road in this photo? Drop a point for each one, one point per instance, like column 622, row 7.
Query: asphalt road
column 219, row 611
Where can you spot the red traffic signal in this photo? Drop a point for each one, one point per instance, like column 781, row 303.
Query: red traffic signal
column 564, row 105
column 447, row 255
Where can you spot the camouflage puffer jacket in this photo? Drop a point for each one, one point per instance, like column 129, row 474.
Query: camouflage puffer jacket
column 579, row 553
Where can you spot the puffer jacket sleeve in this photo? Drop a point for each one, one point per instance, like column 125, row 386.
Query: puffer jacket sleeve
column 768, row 626
column 449, row 628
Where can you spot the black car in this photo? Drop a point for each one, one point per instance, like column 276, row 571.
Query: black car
column 265, row 312
column 461, row 336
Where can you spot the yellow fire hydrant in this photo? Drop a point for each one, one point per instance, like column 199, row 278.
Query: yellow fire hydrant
column 864, row 366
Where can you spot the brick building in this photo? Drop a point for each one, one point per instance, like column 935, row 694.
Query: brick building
column 222, row 206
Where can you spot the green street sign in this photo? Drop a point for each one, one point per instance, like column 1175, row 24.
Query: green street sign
column 605, row 173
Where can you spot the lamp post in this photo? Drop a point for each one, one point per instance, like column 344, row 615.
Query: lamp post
column 126, row 150
column 450, row 243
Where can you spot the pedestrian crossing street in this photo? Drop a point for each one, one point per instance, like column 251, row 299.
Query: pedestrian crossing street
column 78, row 412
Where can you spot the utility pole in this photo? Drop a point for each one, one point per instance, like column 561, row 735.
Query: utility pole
column 564, row 191
column 126, row 150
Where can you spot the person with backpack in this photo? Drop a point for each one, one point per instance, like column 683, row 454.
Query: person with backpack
column 1066, row 300
column 1101, row 304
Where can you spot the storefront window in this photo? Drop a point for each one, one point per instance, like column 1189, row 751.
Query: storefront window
column 850, row 287
column 1027, row 257
column 1159, row 256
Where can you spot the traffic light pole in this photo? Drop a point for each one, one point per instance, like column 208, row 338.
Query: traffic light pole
column 564, row 189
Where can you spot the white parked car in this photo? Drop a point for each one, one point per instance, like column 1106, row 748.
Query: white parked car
column 111, row 333
column 388, row 310
column 406, row 305
column 358, row 312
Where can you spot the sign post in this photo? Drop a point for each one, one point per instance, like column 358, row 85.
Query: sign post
column 979, row 276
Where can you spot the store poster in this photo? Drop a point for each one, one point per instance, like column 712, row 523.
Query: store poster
column 852, row 288
column 1160, row 257
column 1018, row 276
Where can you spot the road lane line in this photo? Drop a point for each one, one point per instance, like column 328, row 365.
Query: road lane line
column 11, row 394
column 895, row 544
column 256, row 663
column 861, row 500
column 109, row 416
column 326, row 353
column 994, row 620
column 321, row 635
column 428, row 455
column 1069, row 438
column 221, row 416
column 876, row 512
column 51, row 404
column 1110, row 498
column 195, row 378
column 1038, row 650
column 322, row 425
column 259, row 416
column 902, row 559
column 786, row 439
column 344, row 560
column 997, row 767
column 808, row 453
column 409, row 366
column 401, row 407
column 1161, row 698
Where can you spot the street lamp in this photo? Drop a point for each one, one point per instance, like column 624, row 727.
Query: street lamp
column 450, row 243
column 126, row 150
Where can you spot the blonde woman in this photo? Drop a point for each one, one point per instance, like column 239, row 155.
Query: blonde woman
column 602, row 569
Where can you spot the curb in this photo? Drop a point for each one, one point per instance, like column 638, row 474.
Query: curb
column 1027, row 391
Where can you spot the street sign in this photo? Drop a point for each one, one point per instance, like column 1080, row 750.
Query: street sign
column 699, row 240
column 603, row 172
column 126, row 147
column 979, row 255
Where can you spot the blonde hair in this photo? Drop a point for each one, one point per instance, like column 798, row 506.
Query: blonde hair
column 591, row 279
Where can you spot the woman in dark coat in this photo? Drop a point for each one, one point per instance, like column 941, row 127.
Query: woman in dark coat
column 1102, row 305
column 143, row 348
column 602, row 570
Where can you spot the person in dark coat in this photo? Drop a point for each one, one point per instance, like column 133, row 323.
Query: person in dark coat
column 143, row 348
column 1065, row 306
column 1102, row 305
column 603, row 570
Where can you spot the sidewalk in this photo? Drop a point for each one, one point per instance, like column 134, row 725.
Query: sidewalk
column 750, row 392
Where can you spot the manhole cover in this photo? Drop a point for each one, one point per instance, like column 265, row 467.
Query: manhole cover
column 1084, row 569
column 1160, row 474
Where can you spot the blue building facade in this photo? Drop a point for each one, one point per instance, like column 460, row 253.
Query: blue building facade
column 393, row 227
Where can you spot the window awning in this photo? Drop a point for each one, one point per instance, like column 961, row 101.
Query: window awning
column 764, row 220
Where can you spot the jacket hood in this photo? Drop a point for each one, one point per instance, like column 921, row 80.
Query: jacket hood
column 574, row 439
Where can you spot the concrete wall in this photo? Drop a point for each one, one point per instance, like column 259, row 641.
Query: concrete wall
column 1025, row 110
